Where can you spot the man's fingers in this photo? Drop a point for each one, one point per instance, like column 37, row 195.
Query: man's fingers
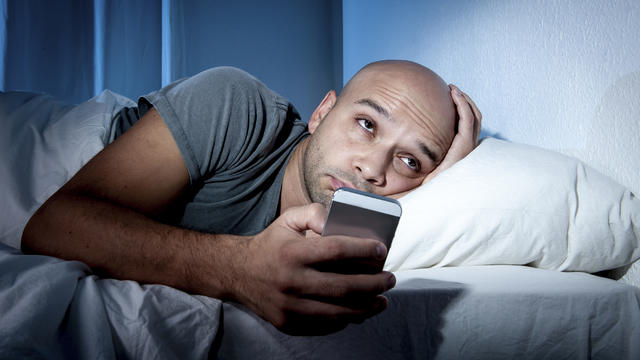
column 465, row 114
column 335, row 248
column 321, row 249
column 477, row 124
column 355, row 312
column 341, row 287
column 335, row 311
column 312, row 317
column 308, row 217
column 471, row 122
column 472, row 104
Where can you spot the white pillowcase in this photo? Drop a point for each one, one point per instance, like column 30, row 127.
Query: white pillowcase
column 516, row 204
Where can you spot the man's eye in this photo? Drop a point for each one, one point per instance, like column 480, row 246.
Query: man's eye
column 412, row 163
column 366, row 124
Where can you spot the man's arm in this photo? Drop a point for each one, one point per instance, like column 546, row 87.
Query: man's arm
column 104, row 216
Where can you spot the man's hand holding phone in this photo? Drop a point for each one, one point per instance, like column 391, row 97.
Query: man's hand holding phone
column 288, row 279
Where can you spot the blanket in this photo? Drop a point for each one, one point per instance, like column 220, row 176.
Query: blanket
column 55, row 309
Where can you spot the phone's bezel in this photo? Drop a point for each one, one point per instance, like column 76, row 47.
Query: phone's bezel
column 367, row 200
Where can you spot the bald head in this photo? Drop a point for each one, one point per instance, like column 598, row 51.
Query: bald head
column 418, row 84
column 390, row 127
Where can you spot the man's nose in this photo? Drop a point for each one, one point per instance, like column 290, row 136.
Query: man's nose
column 371, row 166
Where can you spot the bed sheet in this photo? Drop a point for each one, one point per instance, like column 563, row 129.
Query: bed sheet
column 480, row 312
column 55, row 309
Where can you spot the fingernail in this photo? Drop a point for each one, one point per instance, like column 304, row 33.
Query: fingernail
column 391, row 281
column 381, row 303
column 381, row 251
column 457, row 91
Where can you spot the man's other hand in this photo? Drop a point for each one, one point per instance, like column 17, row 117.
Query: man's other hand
column 282, row 283
column 466, row 138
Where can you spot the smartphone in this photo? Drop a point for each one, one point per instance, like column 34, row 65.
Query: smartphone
column 362, row 214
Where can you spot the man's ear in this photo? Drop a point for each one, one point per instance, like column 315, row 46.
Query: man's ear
column 322, row 110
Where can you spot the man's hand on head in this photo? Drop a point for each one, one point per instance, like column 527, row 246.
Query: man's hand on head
column 281, row 281
column 466, row 139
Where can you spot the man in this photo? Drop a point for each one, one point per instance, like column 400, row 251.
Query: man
column 215, row 188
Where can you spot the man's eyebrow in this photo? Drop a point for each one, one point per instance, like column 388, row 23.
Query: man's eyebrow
column 375, row 106
column 425, row 150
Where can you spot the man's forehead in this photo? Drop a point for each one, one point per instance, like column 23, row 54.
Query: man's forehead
column 419, row 83
column 395, row 94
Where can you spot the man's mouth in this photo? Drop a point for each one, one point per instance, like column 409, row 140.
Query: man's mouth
column 336, row 183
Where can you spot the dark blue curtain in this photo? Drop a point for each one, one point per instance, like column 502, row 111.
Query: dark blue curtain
column 74, row 49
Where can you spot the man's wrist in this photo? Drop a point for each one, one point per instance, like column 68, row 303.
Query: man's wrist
column 212, row 265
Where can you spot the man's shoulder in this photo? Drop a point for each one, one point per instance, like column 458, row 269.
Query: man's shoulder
column 230, row 79
column 228, row 74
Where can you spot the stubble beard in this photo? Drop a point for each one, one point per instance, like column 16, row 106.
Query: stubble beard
column 314, row 169
column 312, row 173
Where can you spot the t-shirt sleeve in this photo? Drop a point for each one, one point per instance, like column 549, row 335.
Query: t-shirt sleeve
column 222, row 119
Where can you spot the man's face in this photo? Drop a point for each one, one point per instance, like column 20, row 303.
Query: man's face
column 384, row 136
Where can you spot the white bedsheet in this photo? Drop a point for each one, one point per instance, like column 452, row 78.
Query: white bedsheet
column 55, row 309
column 480, row 312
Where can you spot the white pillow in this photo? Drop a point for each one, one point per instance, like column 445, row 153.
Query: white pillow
column 516, row 204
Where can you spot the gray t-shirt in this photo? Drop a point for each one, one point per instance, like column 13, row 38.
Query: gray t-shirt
column 236, row 137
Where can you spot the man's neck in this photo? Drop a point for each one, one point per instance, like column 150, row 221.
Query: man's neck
column 293, row 192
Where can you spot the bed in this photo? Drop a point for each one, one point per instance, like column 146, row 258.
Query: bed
column 498, row 257
column 470, row 312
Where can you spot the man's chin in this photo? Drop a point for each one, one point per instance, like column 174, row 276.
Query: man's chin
column 326, row 199
column 323, row 198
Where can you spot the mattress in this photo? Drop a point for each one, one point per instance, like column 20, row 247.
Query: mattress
column 476, row 312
